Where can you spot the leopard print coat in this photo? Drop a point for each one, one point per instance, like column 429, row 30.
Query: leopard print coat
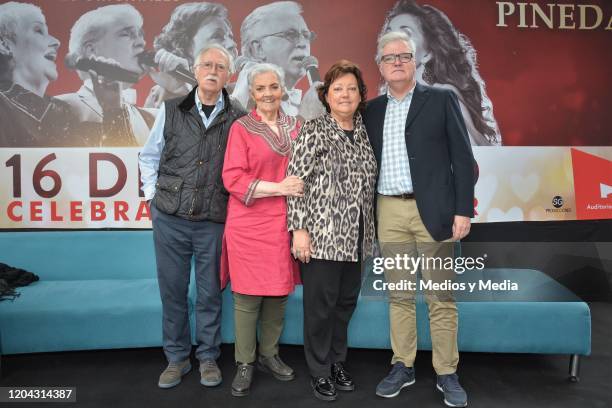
column 339, row 178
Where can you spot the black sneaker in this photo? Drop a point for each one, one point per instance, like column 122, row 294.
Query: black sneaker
column 342, row 378
column 323, row 388
column 454, row 394
column 399, row 377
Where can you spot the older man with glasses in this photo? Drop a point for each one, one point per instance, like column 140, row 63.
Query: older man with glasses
column 181, row 167
column 276, row 33
column 425, row 196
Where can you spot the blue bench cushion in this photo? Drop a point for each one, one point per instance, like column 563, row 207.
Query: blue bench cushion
column 98, row 290
column 82, row 315
column 82, row 255
column 510, row 326
column 99, row 314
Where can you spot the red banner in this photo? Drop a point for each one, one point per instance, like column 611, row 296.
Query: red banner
column 533, row 75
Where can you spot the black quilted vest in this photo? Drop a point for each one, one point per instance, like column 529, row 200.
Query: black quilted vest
column 189, row 181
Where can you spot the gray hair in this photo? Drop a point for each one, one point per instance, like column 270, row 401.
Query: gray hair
column 94, row 24
column 263, row 68
column 390, row 37
column 222, row 50
column 260, row 16
column 10, row 14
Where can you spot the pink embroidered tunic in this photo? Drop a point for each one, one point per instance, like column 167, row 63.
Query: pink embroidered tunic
column 256, row 245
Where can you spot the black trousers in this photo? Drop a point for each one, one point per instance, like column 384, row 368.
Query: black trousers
column 331, row 289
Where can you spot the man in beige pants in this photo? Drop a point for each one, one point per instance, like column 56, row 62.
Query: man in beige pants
column 424, row 203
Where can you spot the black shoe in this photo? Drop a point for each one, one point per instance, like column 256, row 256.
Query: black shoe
column 323, row 388
column 275, row 366
column 242, row 380
column 342, row 378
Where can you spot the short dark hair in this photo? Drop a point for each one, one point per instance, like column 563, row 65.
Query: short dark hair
column 185, row 22
column 340, row 68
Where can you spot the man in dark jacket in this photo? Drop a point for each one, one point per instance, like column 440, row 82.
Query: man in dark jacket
column 424, row 203
column 181, row 167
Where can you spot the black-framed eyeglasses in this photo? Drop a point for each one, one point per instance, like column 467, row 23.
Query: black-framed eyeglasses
column 404, row 58
column 293, row 36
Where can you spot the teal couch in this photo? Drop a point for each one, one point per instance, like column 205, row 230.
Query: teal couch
column 98, row 290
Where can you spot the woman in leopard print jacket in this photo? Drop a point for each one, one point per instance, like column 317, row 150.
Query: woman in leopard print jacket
column 333, row 224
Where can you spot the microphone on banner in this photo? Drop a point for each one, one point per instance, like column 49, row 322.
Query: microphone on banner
column 311, row 64
column 240, row 62
column 148, row 58
column 106, row 69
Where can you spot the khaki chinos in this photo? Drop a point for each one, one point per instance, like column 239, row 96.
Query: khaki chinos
column 401, row 231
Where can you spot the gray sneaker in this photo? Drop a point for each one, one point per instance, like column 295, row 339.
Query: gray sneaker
column 242, row 381
column 171, row 376
column 210, row 375
column 454, row 394
column 400, row 377
column 275, row 366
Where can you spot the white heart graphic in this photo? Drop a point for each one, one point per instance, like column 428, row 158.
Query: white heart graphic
column 485, row 190
column 525, row 187
column 497, row 215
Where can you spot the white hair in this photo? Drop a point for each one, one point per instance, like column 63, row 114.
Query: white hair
column 222, row 50
column 263, row 68
column 390, row 37
column 10, row 15
column 94, row 24
column 261, row 15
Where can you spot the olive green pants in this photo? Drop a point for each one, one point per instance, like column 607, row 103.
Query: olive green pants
column 401, row 232
column 269, row 311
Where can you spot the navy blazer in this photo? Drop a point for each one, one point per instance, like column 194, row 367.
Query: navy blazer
column 439, row 152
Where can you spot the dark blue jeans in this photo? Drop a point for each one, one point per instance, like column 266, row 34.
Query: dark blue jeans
column 177, row 241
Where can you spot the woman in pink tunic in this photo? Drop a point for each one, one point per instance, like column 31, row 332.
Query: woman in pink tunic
column 257, row 253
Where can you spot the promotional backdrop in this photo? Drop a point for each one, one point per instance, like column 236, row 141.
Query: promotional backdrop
column 532, row 79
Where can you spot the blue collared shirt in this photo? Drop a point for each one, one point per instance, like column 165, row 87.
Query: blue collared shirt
column 152, row 150
column 394, row 177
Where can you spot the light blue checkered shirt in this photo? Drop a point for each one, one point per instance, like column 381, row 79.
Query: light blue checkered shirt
column 394, row 177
